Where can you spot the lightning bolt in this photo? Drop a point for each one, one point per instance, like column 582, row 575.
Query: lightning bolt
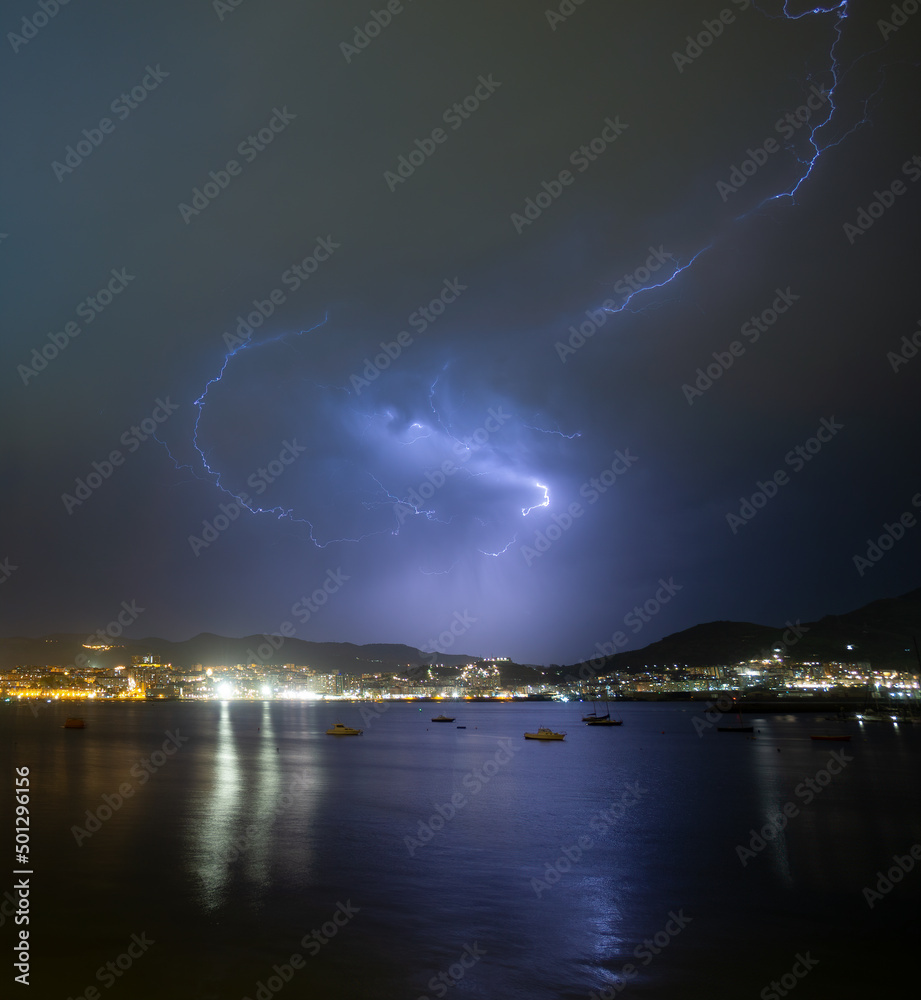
column 502, row 551
column 544, row 503
column 839, row 11
column 215, row 474
column 545, row 430
column 200, row 402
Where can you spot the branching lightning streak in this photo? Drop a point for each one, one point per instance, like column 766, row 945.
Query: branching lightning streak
column 502, row 551
column 840, row 10
column 215, row 474
column 200, row 402
column 544, row 430
column 840, row 13
column 544, row 503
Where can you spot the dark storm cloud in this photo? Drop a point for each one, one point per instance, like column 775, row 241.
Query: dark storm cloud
column 420, row 249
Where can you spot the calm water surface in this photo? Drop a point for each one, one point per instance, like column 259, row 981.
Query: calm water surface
column 261, row 829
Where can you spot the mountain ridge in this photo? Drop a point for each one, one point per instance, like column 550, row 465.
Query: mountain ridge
column 883, row 632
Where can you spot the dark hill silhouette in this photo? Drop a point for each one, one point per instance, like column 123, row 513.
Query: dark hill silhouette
column 217, row 650
column 881, row 632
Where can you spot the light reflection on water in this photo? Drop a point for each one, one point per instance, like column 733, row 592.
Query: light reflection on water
column 249, row 837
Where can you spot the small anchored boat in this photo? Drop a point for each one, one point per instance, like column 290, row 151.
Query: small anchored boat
column 543, row 733
column 839, row 739
column 593, row 715
column 442, row 718
column 340, row 730
column 736, row 729
column 74, row 723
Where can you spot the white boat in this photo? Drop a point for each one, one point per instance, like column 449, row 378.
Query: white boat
column 340, row 730
column 873, row 715
column 543, row 733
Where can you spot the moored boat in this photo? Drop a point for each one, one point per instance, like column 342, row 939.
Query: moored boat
column 594, row 715
column 543, row 733
column 443, row 718
column 873, row 715
column 736, row 729
column 340, row 730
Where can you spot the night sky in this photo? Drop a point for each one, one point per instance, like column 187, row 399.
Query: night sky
column 384, row 283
